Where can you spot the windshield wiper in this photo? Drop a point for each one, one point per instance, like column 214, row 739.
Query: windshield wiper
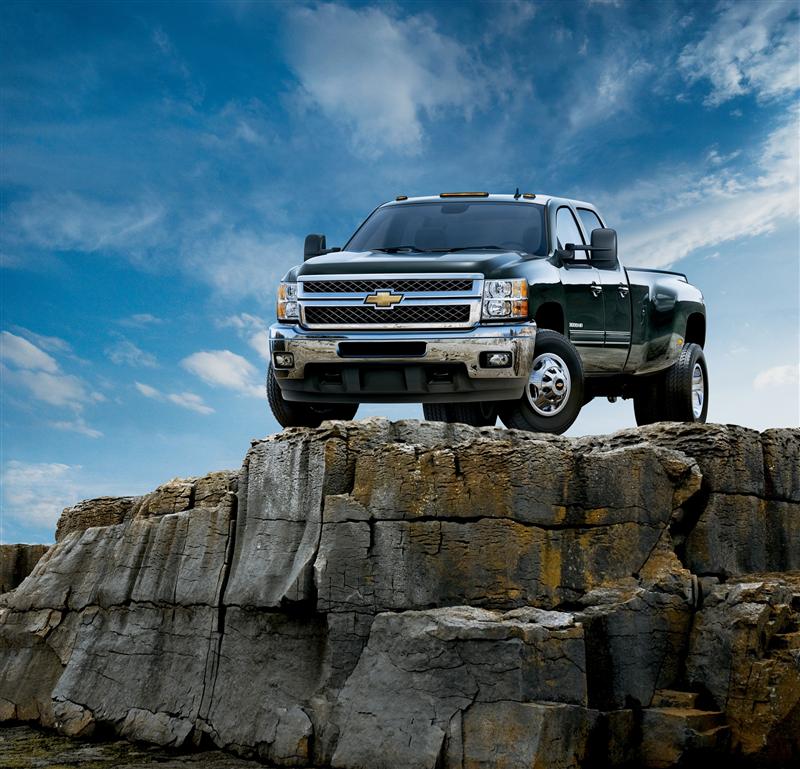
column 469, row 248
column 395, row 249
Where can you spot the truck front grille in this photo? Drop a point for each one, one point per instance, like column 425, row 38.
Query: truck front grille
column 440, row 300
column 401, row 285
column 410, row 315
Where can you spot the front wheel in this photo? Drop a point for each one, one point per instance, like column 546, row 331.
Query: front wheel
column 554, row 395
column 476, row 414
column 296, row 414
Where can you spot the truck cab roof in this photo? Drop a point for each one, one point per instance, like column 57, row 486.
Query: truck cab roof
column 538, row 199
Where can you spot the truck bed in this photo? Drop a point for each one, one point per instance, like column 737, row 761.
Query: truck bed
column 658, row 272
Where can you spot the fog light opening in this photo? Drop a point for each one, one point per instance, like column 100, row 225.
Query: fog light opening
column 496, row 359
column 283, row 360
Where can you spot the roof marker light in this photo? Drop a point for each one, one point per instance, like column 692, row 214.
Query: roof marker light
column 528, row 195
column 402, row 197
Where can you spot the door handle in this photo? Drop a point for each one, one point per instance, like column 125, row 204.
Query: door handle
column 596, row 288
column 623, row 290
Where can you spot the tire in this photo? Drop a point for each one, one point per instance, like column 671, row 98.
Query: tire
column 297, row 414
column 648, row 401
column 670, row 396
column 686, row 386
column 554, row 356
column 476, row 414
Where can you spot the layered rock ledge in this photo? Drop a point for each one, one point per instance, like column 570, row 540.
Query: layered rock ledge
column 375, row 594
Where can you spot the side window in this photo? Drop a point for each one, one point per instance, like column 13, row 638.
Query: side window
column 567, row 231
column 590, row 220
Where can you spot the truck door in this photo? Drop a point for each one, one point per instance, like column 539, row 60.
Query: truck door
column 616, row 303
column 583, row 295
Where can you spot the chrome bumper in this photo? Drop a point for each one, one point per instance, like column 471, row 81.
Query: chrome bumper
column 463, row 346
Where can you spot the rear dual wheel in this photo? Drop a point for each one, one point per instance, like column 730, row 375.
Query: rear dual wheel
column 679, row 394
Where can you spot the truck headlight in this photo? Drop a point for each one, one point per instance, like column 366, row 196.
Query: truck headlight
column 287, row 302
column 505, row 299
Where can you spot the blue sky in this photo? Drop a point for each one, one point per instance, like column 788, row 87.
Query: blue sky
column 162, row 162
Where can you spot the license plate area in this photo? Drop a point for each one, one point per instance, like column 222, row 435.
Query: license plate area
column 382, row 349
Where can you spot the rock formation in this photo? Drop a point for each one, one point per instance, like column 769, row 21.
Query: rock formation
column 17, row 562
column 374, row 594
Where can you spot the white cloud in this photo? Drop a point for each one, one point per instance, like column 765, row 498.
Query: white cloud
column 126, row 353
column 52, row 344
column 77, row 426
column 241, row 263
column 223, row 368
column 381, row 74
column 70, row 222
column 680, row 210
column 193, row 90
column 252, row 329
column 749, row 48
column 778, row 376
column 236, row 261
column 509, row 19
column 56, row 389
column 190, row 401
column 147, row 390
column 23, row 354
column 187, row 400
column 140, row 319
column 40, row 376
column 36, row 492
column 613, row 84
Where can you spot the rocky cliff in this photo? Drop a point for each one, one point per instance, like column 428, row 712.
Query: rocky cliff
column 17, row 562
column 374, row 594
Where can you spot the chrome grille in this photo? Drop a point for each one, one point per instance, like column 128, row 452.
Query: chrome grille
column 439, row 300
column 402, row 285
column 408, row 315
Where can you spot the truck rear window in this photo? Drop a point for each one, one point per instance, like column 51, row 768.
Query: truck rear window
column 454, row 225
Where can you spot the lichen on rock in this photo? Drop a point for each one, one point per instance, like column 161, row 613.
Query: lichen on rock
column 407, row 594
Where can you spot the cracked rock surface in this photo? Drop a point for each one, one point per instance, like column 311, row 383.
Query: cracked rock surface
column 374, row 594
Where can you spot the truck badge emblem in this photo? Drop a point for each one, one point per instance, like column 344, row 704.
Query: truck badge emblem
column 383, row 299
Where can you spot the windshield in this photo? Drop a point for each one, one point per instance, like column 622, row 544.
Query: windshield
column 453, row 225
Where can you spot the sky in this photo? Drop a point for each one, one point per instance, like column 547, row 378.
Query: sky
column 161, row 163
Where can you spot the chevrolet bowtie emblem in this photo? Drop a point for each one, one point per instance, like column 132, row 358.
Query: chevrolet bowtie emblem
column 383, row 299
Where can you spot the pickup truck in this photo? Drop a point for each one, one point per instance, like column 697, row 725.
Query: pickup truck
column 480, row 305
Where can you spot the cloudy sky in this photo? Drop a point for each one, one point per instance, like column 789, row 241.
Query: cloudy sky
column 161, row 164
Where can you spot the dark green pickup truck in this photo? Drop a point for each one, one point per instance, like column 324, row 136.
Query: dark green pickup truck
column 479, row 306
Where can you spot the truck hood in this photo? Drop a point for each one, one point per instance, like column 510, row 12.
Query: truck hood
column 488, row 263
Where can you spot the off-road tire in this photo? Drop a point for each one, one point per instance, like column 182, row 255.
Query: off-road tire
column 296, row 414
column 476, row 414
column 520, row 414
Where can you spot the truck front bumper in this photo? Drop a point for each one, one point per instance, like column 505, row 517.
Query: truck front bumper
column 402, row 367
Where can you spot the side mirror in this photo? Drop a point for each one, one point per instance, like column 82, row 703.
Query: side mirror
column 315, row 245
column 604, row 246
column 566, row 254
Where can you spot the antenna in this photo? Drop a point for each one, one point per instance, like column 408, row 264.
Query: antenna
column 517, row 194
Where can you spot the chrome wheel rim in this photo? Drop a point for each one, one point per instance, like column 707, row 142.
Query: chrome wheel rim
column 698, row 390
column 549, row 386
